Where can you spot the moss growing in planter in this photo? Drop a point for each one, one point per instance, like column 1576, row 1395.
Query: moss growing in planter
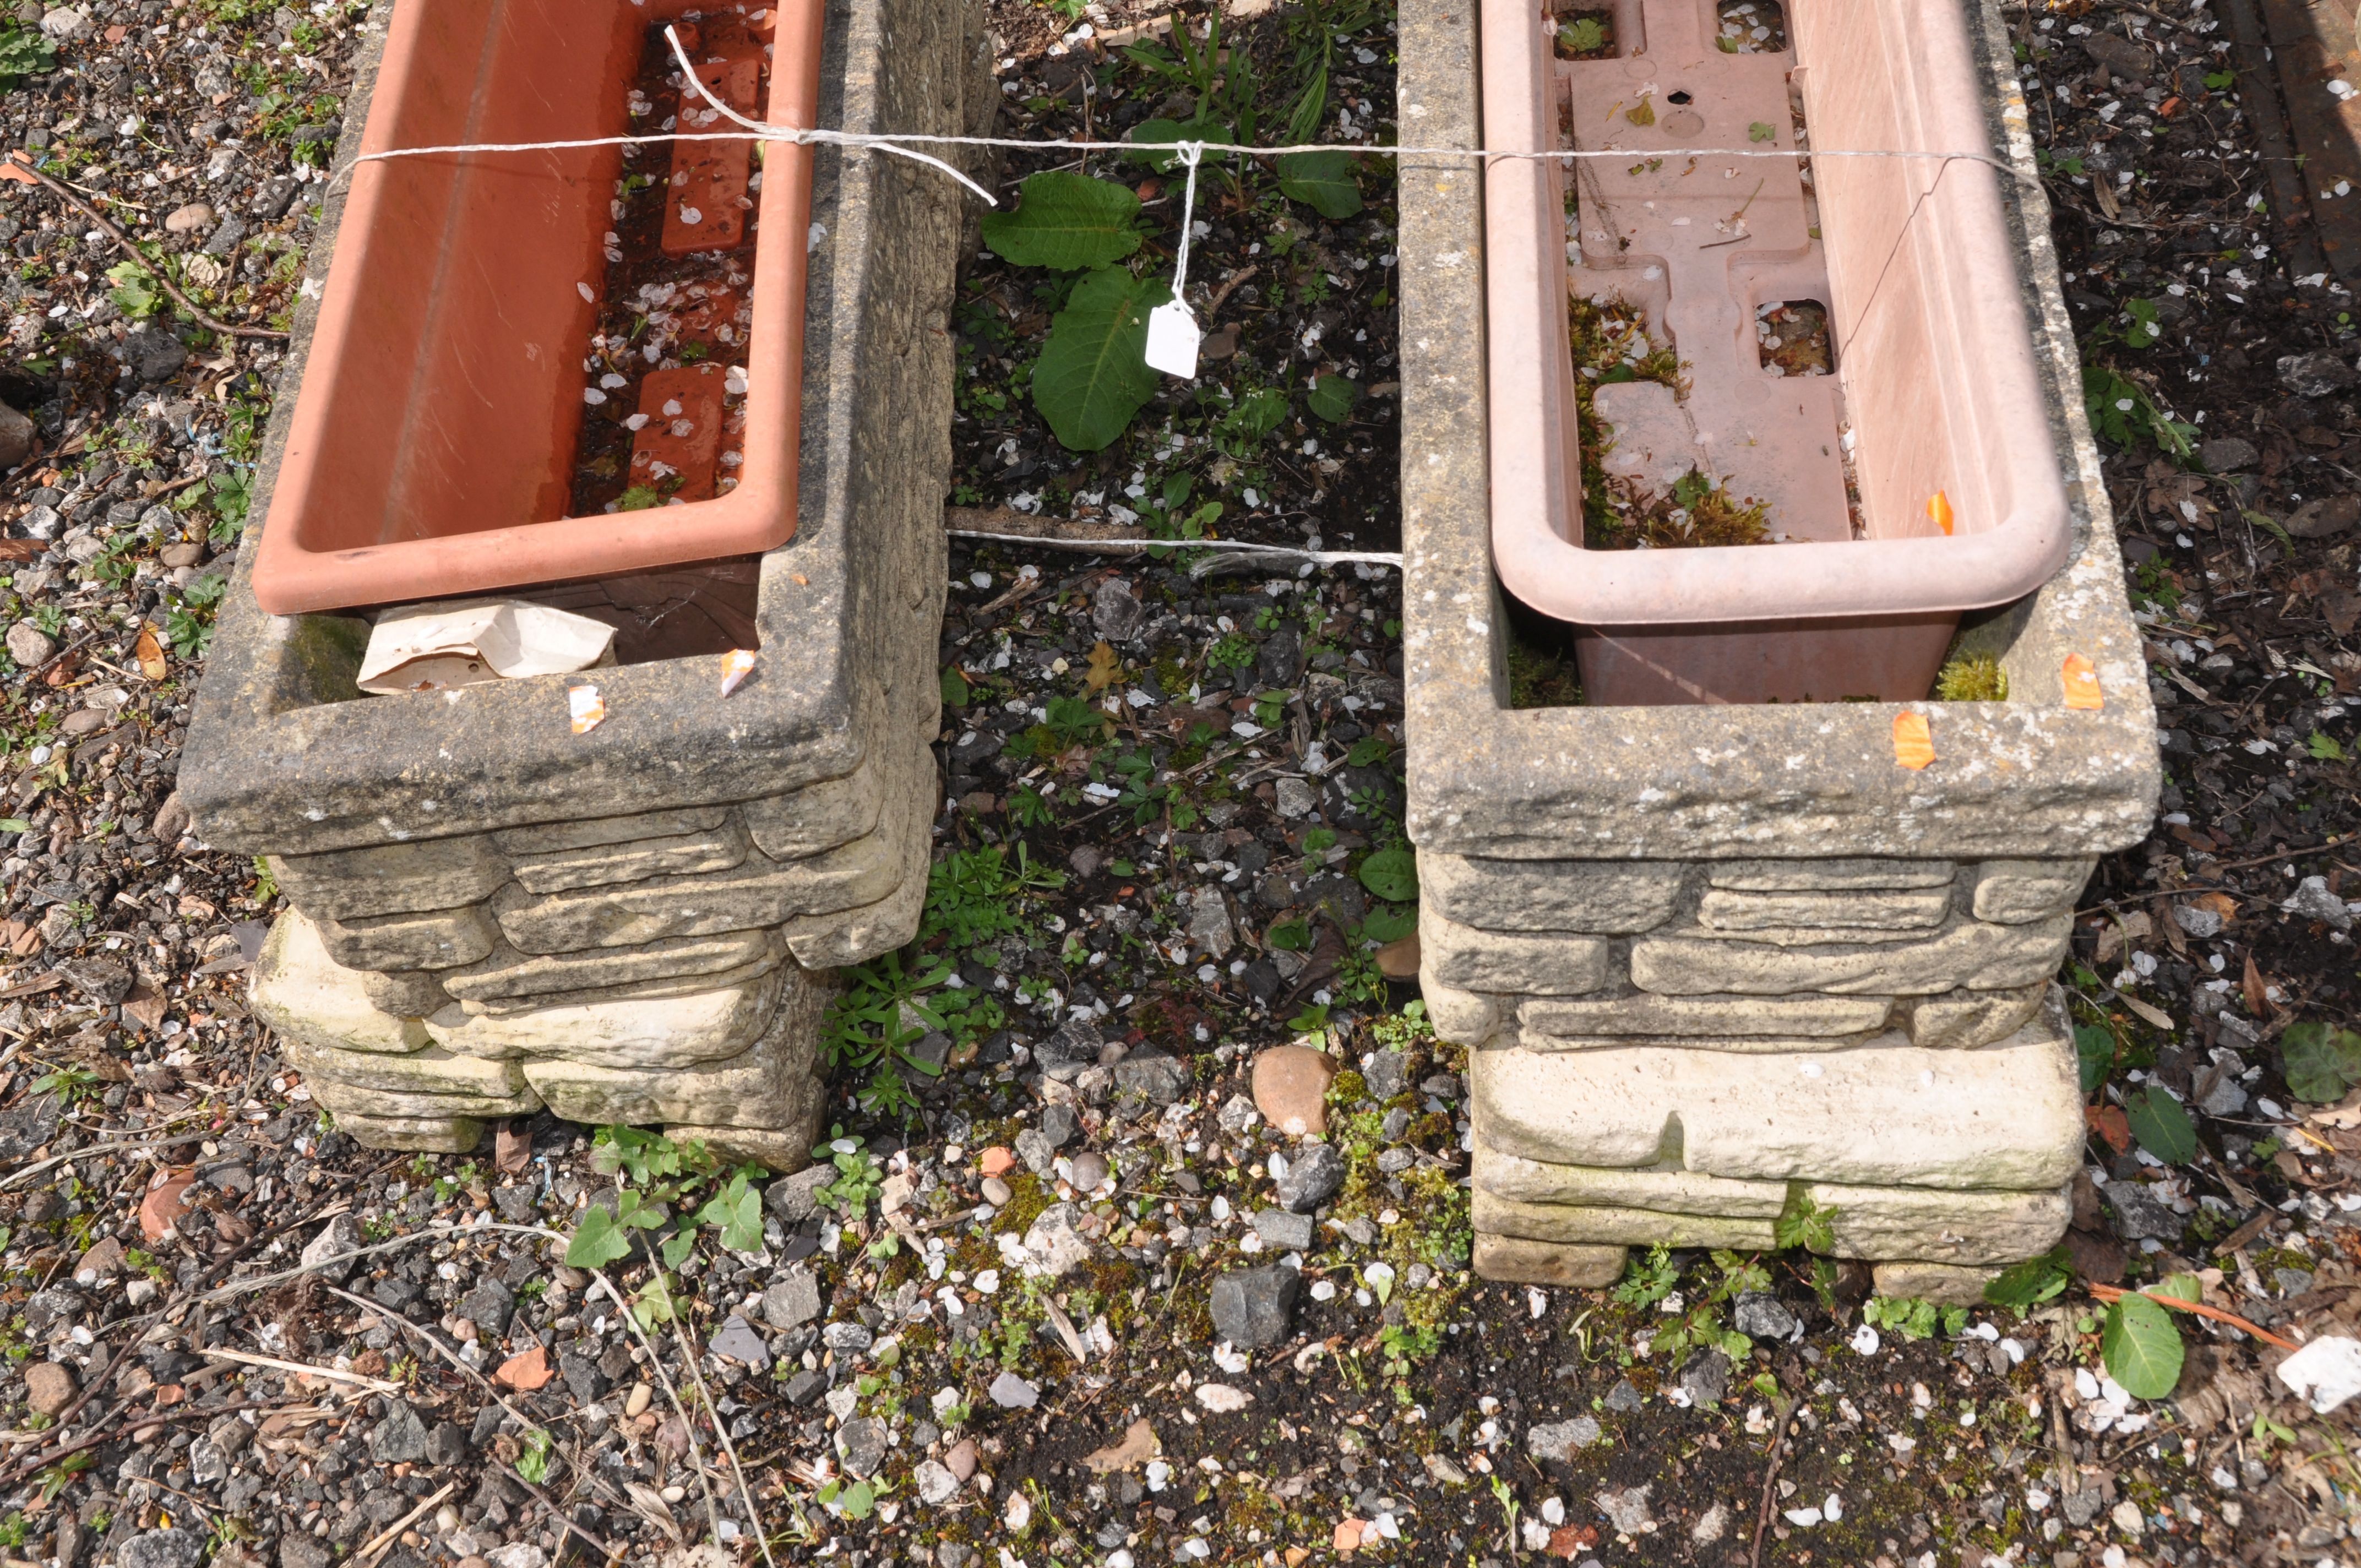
column 1611, row 345
column 1972, row 677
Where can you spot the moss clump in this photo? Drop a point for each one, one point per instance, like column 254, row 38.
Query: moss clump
column 1972, row 677
column 1541, row 677
column 1611, row 344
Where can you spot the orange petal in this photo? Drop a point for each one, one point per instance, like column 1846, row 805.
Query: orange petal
column 1913, row 743
column 2083, row 684
column 587, row 708
column 1939, row 509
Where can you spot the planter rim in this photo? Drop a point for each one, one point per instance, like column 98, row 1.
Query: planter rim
column 264, row 740
column 294, row 574
column 1534, row 495
column 2023, row 777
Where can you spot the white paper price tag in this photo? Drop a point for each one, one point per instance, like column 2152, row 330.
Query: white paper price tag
column 1173, row 337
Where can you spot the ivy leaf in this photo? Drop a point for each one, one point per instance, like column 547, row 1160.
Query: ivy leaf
column 1392, row 875
column 1332, row 397
column 2319, row 1063
column 598, row 1240
column 2141, row 1347
column 1092, row 375
column 2161, row 1124
column 1325, row 181
column 1066, row 221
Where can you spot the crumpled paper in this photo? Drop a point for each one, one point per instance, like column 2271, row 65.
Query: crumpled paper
column 432, row 647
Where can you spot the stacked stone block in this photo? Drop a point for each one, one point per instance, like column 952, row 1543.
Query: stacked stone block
column 490, row 914
column 1675, row 1053
column 1716, row 964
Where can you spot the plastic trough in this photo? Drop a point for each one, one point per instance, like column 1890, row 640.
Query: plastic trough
column 433, row 443
column 1935, row 388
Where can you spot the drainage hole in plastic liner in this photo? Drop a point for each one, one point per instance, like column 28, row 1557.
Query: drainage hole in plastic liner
column 1751, row 27
column 1586, row 34
column 1792, row 337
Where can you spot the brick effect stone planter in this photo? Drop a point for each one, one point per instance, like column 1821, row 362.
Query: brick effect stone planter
column 491, row 913
column 1711, row 960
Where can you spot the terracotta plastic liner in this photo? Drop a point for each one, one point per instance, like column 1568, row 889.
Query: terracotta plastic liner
column 432, row 443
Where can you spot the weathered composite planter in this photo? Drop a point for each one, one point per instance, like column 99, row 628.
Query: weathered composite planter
column 493, row 913
column 1935, row 391
column 433, row 447
column 1704, row 955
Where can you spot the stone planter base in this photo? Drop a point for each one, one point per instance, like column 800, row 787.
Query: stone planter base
column 732, row 1064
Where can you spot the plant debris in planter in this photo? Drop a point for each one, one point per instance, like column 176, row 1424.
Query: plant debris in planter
column 1611, row 344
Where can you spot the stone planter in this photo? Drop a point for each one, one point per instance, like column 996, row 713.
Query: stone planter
column 1917, row 480
column 492, row 913
column 1711, row 958
column 434, row 448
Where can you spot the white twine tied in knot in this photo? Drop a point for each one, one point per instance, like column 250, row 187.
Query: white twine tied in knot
column 1172, row 333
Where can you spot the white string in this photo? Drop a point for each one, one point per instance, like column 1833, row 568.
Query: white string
column 688, row 71
column 1192, row 153
column 1219, row 546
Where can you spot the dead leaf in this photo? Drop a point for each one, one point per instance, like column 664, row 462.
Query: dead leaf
column 1103, row 669
column 513, row 1150
column 2112, row 1125
column 525, row 1371
column 2155, row 1015
column 2250, row 985
column 1137, row 1447
column 150, row 654
column 2220, row 903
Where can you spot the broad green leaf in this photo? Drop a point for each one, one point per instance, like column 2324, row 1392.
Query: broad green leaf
column 858, row 1501
column 1325, row 181
column 1065, row 221
column 2094, row 1050
column 2141, row 1347
column 1332, row 397
column 1154, row 131
column 15, row 824
column 1092, row 375
column 677, row 1246
column 2319, row 1063
column 2027, row 1285
column 2179, row 1287
column 1392, row 875
column 1388, row 925
column 2162, row 1125
column 955, row 687
column 598, row 1240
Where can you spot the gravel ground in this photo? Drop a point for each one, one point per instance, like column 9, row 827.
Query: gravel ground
column 1024, row 1310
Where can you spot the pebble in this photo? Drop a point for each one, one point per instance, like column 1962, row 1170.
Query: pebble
column 996, row 1193
column 161, row 1211
column 30, row 645
column 960, row 1460
column 1311, row 1179
column 1254, row 1308
column 793, row 1301
column 1289, row 1086
column 1558, row 1441
column 48, row 1388
column 1090, row 1171
column 1011, row 1392
column 189, row 218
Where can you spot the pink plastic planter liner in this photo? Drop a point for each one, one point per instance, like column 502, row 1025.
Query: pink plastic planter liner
column 1933, row 344
column 433, row 436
